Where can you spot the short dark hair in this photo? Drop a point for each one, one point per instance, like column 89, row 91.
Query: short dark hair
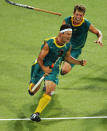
column 65, row 26
column 80, row 8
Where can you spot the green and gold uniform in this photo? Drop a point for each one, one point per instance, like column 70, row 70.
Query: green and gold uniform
column 56, row 55
column 79, row 36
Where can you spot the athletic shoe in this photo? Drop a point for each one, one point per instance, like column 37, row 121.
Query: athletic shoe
column 35, row 117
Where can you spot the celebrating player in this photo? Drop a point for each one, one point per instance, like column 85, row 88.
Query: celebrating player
column 54, row 51
column 80, row 27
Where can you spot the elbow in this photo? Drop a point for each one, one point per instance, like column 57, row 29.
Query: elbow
column 39, row 60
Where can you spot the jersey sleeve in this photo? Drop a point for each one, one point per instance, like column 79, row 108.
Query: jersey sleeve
column 48, row 41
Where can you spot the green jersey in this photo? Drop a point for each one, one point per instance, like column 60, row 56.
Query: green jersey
column 79, row 32
column 56, row 53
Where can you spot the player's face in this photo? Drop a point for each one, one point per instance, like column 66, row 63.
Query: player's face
column 66, row 36
column 78, row 16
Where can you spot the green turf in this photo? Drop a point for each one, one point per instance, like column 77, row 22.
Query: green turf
column 82, row 92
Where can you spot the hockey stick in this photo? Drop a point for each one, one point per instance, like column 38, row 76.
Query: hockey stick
column 42, row 78
column 33, row 8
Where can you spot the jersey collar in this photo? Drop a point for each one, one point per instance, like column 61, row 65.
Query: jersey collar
column 57, row 44
column 77, row 24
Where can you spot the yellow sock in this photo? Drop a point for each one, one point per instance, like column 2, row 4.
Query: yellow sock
column 43, row 103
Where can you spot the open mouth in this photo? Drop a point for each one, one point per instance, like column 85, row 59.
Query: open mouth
column 78, row 19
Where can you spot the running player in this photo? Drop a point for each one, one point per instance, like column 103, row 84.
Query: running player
column 54, row 50
column 80, row 27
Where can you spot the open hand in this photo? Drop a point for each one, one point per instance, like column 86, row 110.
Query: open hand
column 47, row 70
column 99, row 42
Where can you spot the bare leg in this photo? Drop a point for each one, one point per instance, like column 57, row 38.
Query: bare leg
column 50, row 87
column 66, row 68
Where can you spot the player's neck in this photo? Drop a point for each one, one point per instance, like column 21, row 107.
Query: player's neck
column 59, row 42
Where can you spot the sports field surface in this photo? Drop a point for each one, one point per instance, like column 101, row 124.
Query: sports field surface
column 81, row 93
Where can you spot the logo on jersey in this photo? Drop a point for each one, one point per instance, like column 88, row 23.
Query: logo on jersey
column 60, row 52
column 75, row 29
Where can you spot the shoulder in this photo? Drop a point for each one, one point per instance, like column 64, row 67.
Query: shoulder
column 49, row 41
column 68, row 19
column 87, row 21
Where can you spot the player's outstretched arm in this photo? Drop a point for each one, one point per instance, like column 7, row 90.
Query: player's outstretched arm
column 72, row 60
column 98, row 33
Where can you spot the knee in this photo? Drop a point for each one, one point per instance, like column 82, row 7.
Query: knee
column 65, row 70
column 50, row 92
column 50, row 87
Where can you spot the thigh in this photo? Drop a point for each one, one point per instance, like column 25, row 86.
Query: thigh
column 75, row 53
